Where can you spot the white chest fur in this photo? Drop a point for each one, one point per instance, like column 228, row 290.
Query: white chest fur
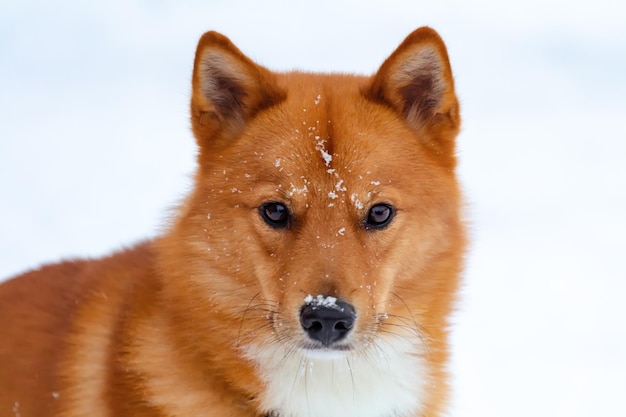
column 387, row 380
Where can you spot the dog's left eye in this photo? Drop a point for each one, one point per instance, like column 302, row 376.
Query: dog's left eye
column 379, row 216
column 275, row 214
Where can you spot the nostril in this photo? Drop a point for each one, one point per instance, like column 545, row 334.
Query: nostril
column 316, row 326
column 312, row 325
column 341, row 325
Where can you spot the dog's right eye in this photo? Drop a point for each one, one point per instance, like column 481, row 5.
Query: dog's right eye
column 379, row 216
column 275, row 214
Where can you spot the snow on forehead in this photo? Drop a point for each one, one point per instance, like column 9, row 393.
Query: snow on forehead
column 313, row 134
column 320, row 138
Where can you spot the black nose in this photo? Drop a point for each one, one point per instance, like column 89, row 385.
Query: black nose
column 327, row 322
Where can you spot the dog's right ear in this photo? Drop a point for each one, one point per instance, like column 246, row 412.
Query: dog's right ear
column 228, row 89
column 416, row 81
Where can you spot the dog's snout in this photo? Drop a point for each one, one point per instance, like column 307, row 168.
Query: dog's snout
column 327, row 323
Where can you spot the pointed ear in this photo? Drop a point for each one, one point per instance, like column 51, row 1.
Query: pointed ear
column 416, row 81
column 228, row 89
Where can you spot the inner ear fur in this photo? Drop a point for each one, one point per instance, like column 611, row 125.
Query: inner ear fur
column 416, row 81
column 228, row 89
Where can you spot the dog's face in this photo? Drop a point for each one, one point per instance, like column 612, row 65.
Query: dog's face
column 324, row 227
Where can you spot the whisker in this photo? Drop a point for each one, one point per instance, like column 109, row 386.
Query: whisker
column 243, row 316
column 406, row 307
column 269, row 307
column 297, row 374
column 351, row 379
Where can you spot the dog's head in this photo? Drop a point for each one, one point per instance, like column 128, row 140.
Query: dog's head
column 324, row 223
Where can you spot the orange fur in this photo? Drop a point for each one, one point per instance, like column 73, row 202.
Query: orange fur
column 208, row 319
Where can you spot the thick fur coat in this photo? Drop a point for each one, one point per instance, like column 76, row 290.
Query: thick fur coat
column 310, row 272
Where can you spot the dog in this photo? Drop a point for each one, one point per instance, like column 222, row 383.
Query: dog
column 310, row 272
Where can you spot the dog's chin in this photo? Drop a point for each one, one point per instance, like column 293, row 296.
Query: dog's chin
column 348, row 379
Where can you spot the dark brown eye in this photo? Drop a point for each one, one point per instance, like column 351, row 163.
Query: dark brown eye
column 379, row 216
column 275, row 214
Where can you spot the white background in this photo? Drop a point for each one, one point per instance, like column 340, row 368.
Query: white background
column 95, row 149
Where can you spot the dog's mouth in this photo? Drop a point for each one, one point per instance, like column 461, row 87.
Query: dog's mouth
column 325, row 353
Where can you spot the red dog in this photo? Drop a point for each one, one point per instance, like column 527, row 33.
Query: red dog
column 310, row 272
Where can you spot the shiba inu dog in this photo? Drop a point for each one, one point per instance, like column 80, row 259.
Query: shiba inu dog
column 310, row 272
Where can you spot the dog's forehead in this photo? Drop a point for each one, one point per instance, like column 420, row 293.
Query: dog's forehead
column 327, row 121
column 327, row 137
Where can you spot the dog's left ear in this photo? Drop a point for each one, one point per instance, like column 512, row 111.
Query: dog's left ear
column 416, row 81
column 228, row 90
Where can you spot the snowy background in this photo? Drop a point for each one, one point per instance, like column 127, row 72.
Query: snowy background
column 95, row 148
